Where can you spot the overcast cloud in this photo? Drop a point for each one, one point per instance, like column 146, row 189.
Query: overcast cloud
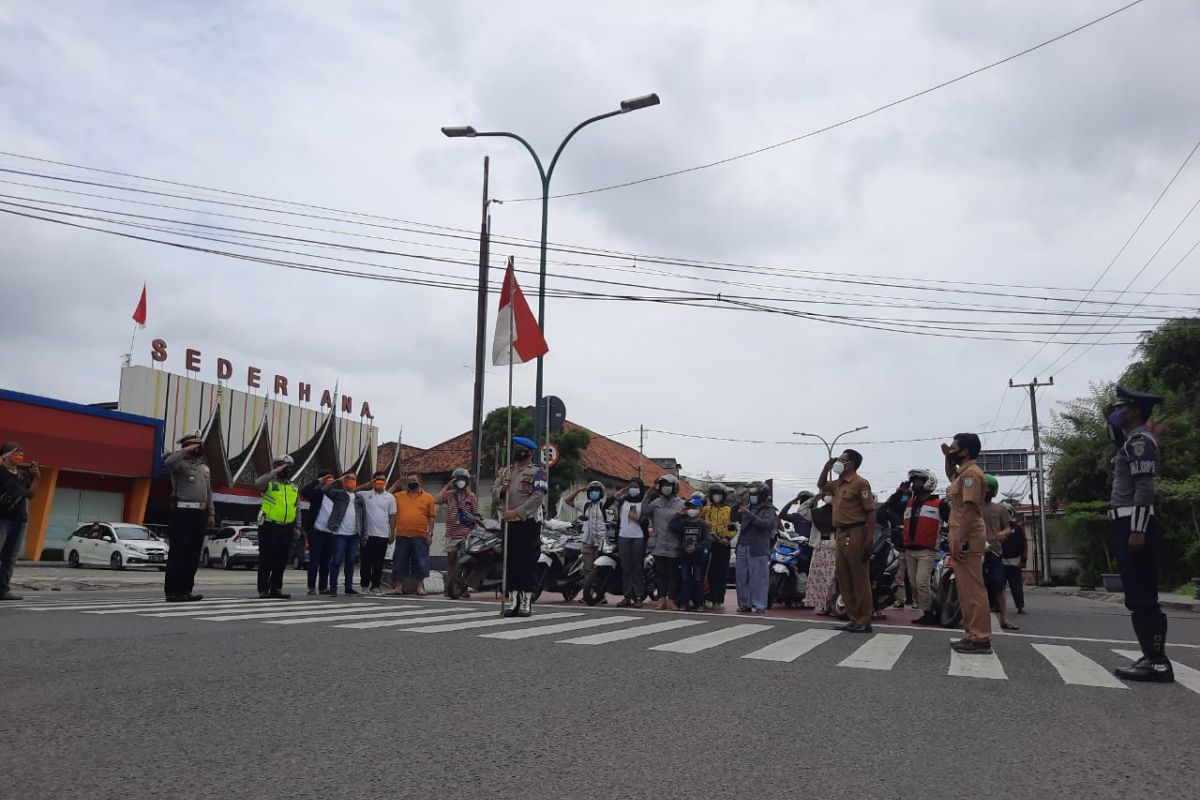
column 1032, row 173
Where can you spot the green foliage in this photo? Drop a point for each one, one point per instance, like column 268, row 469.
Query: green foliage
column 1086, row 527
column 571, row 445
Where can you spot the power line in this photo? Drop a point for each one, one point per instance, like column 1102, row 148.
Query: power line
column 847, row 121
column 796, row 443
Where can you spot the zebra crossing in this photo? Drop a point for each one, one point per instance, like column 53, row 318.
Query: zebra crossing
column 767, row 641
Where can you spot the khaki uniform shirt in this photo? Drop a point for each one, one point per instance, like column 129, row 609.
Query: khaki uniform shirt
column 527, row 489
column 967, row 487
column 853, row 499
column 997, row 520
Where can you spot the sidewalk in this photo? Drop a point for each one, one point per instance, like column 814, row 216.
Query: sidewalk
column 1177, row 602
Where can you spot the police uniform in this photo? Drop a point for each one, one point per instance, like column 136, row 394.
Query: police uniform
column 853, row 504
column 1132, row 512
column 280, row 501
column 527, row 489
column 968, row 542
column 191, row 508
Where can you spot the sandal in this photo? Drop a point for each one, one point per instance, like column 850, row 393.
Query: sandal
column 1008, row 626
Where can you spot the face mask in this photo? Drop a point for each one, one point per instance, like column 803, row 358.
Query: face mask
column 668, row 490
column 593, row 495
column 718, row 497
column 693, row 512
column 379, row 485
column 958, row 456
column 635, row 493
column 838, row 468
column 903, row 498
column 412, row 484
column 350, row 485
column 828, row 498
column 753, row 499
column 461, row 484
column 520, row 454
column 17, row 458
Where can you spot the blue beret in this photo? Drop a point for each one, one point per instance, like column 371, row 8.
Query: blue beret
column 525, row 442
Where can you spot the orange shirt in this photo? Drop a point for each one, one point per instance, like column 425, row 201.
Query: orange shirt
column 413, row 514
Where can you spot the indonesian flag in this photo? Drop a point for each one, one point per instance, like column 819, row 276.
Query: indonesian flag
column 139, row 313
column 515, row 320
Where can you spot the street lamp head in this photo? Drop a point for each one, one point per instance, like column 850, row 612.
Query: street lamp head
column 459, row 131
column 645, row 101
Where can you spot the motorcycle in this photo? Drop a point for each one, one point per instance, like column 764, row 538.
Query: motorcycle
column 885, row 561
column 943, row 588
column 559, row 567
column 790, row 557
column 480, row 560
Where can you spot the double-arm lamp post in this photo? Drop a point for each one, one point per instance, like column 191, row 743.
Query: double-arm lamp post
column 546, row 174
column 829, row 445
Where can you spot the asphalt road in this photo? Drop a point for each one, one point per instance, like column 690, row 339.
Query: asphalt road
column 220, row 700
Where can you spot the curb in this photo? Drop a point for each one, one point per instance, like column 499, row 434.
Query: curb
column 1112, row 597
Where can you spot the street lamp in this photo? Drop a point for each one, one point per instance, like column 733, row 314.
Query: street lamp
column 829, row 445
column 468, row 132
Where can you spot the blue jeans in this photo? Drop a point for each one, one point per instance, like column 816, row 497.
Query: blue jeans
column 344, row 551
column 692, row 570
column 410, row 559
column 11, row 537
column 753, row 579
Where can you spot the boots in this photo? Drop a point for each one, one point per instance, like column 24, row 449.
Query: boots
column 1147, row 671
column 524, row 604
column 510, row 604
column 1153, row 666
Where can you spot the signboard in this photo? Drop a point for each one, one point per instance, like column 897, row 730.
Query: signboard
column 558, row 415
column 1004, row 462
column 550, row 455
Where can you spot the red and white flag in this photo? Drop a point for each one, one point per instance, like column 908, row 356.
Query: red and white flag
column 515, row 320
column 139, row 313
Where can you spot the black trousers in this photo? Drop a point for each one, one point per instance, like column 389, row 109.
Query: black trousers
column 373, row 552
column 320, row 548
column 524, row 546
column 718, row 573
column 1016, row 585
column 1139, row 576
column 185, row 532
column 666, row 572
column 274, row 549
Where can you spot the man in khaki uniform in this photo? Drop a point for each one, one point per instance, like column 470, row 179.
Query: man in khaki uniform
column 968, row 541
column 854, row 530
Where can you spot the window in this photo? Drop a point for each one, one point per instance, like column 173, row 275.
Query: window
column 134, row 533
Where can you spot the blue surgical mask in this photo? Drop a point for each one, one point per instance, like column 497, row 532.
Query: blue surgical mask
column 753, row 499
column 635, row 493
column 593, row 495
column 1115, row 418
column 903, row 498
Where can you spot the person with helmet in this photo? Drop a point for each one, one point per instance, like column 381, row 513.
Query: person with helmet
column 999, row 526
column 694, row 538
column 759, row 520
column 922, row 521
column 279, row 524
column 462, row 507
column 891, row 516
column 520, row 493
column 593, row 514
column 721, row 517
column 663, row 505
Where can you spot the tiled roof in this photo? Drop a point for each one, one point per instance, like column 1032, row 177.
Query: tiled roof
column 387, row 451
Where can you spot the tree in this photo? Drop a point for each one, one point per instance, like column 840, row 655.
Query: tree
column 571, row 445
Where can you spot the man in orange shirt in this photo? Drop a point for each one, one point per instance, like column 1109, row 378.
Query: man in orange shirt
column 415, row 515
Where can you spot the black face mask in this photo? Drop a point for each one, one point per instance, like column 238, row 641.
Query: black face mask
column 413, row 484
column 520, row 454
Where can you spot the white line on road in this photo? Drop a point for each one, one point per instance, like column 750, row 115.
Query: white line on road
column 489, row 623
column 1185, row 676
column 794, row 646
column 448, row 612
column 703, row 641
column 632, row 633
column 221, row 608
column 562, row 627
column 996, row 622
column 392, row 623
column 95, row 608
column 171, row 608
column 882, row 651
column 313, row 610
column 976, row 665
column 1074, row 667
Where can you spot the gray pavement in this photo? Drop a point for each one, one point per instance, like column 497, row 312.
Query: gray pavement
column 235, row 697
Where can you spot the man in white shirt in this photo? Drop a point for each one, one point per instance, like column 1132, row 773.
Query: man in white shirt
column 380, row 508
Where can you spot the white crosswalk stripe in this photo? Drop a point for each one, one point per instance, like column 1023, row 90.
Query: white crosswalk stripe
column 1076, row 668
column 703, row 641
column 387, row 613
column 794, row 646
column 976, row 665
column 312, row 610
column 394, row 623
column 632, row 633
column 1185, row 676
column 881, row 651
column 562, row 627
column 491, row 623
column 201, row 609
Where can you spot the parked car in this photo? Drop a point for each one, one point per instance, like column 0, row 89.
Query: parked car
column 115, row 544
column 230, row 546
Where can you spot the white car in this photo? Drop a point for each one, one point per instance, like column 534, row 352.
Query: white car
column 231, row 545
column 115, row 544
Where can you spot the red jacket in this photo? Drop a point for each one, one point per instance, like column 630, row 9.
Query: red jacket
column 923, row 532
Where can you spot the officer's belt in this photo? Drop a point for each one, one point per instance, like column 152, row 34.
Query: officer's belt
column 183, row 504
column 1121, row 512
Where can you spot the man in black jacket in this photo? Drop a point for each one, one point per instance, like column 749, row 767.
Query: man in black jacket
column 318, row 541
column 343, row 516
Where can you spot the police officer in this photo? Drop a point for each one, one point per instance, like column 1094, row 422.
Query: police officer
column 280, row 509
column 1134, row 533
column 968, row 541
column 523, row 488
column 191, row 515
column 854, row 530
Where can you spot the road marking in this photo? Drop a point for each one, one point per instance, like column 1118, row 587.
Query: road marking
column 376, row 614
column 489, row 623
column 128, row 604
column 703, row 641
column 562, row 627
column 1185, row 676
column 392, row 623
column 976, row 665
column 224, row 608
column 882, row 651
column 313, row 610
column 794, row 646
column 996, row 622
column 632, row 633
column 166, row 608
column 1074, row 667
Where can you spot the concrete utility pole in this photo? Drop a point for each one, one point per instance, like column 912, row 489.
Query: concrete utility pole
column 1041, row 472
column 641, row 450
column 485, row 225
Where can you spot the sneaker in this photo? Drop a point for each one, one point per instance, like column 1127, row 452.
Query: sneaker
column 970, row 647
column 637, row 603
column 11, row 596
column 898, row 604
column 758, row 611
column 927, row 619
column 331, row 593
column 279, row 596
column 626, row 603
column 351, row 590
column 263, row 595
column 312, row 592
column 913, row 606
column 1020, row 611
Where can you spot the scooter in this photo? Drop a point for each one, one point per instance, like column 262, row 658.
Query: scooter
column 790, row 557
column 480, row 560
column 606, row 576
column 559, row 567
column 885, row 561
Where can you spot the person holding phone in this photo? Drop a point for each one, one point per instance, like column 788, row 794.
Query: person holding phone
column 18, row 483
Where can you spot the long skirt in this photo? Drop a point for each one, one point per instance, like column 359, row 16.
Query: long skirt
column 821, row 591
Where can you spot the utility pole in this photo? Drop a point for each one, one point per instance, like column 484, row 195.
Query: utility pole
column 641, row 450
column 485, row 225
column 1041, row 472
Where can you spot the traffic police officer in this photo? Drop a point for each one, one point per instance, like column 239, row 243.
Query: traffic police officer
column 278, row 526
column 1134, row 533
column 523, row 487
column 854, row 529
column 191, row 515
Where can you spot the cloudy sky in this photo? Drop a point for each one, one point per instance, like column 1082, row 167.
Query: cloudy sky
column 1027, row 178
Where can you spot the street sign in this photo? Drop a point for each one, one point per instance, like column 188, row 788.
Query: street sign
column 1005, row 462
column 558, row 415
column 550, row 455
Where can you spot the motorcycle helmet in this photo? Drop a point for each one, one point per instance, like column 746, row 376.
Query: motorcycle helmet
column 667, row 481
column 923, row 476
column 804, row 496
column 461, row 473
column 993, row 485
column 595, row 491
column 696, row 501
column 284, row 459
column 759, row 489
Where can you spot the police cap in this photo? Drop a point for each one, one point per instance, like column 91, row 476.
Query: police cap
column 525, row 442
column 1143, row 400
column 190, row 439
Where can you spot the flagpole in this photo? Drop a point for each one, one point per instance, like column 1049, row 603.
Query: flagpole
column 508, row 455
column 129, row 355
